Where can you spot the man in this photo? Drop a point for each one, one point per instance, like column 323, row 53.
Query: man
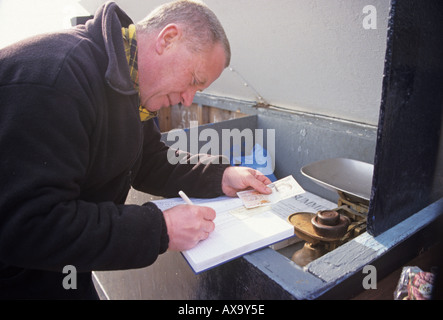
column 76, row 132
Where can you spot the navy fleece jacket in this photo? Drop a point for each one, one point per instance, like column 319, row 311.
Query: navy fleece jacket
column 71, row 145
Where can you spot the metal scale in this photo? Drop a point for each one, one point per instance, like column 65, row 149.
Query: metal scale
column 326, row 230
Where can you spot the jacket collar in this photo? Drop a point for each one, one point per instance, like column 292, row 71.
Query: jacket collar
column 106, row 28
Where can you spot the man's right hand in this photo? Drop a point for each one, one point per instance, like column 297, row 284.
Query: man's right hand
column 187, row 225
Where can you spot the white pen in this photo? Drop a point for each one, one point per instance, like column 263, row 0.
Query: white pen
column 185, row 197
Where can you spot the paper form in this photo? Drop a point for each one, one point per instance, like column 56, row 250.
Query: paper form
column 239, row 231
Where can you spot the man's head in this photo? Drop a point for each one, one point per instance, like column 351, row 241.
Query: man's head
column 182, row 49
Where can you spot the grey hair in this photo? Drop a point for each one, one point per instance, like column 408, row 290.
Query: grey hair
column 201, row 25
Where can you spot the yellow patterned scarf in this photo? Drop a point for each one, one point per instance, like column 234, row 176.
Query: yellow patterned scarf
column 130, row 43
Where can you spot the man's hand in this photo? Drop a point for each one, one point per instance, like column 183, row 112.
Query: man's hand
column 187, row 225
column 240, row 178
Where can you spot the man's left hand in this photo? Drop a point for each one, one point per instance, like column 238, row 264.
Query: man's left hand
column 236, row 179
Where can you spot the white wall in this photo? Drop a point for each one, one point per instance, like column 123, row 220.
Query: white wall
column 20, row 19
column 307, row 55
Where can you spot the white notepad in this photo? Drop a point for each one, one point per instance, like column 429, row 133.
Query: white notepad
column 239, row 230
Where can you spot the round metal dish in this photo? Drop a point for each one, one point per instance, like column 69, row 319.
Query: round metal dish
column 352, row 177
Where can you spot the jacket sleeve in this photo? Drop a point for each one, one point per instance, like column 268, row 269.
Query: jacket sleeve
column 44, row 143
column 198, row 175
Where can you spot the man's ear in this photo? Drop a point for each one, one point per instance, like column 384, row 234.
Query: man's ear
column 167, row 37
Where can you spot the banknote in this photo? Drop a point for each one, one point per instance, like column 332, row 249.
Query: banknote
column 281, row 189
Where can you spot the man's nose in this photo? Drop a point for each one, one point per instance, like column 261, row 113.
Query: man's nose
column 188, row 97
